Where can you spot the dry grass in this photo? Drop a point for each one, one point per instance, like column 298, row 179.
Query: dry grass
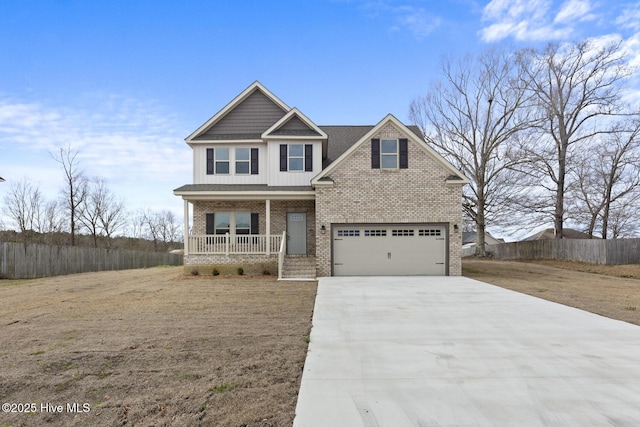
column 611, row 291
column 154, row 347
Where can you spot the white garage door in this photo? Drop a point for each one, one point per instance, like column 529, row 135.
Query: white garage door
column 389, row 250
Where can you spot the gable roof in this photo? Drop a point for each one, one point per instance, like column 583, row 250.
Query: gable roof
column 247, row 116
column 567, row 233
column 342, row 137
column 296, row 125
column 456, row 176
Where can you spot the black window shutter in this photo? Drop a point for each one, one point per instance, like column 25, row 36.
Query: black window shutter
column 254, row 224
column 211, row 223
column 308, row 157
column 254, row 161
column 375, row 153
column 404, row 153
column 283, row 157
column 209, row 161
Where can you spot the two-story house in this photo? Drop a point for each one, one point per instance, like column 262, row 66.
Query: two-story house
column 273, row 191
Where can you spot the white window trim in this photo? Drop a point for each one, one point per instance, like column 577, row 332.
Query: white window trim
column 289, row 157
column 235, row 161
column 232, row 222
column 397, row 154
column 216, row 161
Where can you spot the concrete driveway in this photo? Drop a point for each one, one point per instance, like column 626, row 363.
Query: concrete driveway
column 451, row 351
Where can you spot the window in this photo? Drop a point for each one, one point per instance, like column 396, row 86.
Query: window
column 432, row 232
column 222, row 223
column 375, row 233
column 296, row 157
column 402, row 233
column 222, row 160
column 232, row 223
column 389, row 154
column 243, row 223
column 348, row 233
column 243, row 161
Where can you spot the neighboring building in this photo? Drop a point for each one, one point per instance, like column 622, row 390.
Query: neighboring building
column 567, row 233
column 469, row 239
column 351, row 200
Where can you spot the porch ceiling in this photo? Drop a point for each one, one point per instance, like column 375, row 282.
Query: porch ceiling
column 244, row 192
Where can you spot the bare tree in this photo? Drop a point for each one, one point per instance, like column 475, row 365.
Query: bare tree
column 112, row 215
column 160, row 227
column 22, row 204
column 623, row 216
column 577, row 89
column 169, row 227
column 90, row 208
column 609, row 172
column 151, row 221
column 476, row 117
column 75, row 189
column 49, row 218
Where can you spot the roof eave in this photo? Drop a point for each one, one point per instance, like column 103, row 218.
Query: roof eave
column 246, row 195
column 224, row 141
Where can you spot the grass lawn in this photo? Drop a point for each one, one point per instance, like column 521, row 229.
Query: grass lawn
column 153, row 347
column 609, row 290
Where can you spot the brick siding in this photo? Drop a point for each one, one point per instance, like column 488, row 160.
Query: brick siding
column 361, row 194
column 279, row 209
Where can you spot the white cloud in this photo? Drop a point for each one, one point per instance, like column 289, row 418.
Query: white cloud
column 630, row 18
column 574, row 10
column 531, row 20
column 418, row 21
column 403, row 16
column 137, row 146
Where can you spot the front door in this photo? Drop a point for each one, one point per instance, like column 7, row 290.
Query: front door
column 296, row 233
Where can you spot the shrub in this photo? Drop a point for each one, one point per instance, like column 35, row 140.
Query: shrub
column 216, row 272
column 240, row 271
column 195, row 272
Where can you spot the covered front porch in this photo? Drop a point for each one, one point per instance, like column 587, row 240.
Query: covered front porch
column 246, row 222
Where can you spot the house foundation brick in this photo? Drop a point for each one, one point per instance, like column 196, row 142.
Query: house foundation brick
column 251, row 264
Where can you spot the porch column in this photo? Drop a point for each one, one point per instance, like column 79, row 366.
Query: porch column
column 186, row 227
column 267, row 218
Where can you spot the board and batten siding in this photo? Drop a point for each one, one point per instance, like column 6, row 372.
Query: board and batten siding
column 254, row 114
column 200, row 165
column 278, row 178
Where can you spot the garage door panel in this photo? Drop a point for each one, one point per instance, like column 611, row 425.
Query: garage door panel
column 381, row 249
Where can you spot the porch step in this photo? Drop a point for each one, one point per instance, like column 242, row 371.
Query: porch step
column 299, row 267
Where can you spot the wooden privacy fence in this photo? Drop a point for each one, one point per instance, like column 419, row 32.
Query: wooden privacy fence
column 596, row 251
column 28, row 261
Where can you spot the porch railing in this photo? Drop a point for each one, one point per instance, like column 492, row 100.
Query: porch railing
column 236, row 244
column 281, row 252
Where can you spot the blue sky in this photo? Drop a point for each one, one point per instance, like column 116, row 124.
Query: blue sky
column 124, row 82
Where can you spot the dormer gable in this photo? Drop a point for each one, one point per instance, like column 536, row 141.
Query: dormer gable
column 246, row 117
column 294, row 125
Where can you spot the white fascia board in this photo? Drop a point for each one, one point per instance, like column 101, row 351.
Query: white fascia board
column 322, row 184
column 456, row 181
column 234, row 102
column 225, row 141
column 246, row 195
column 294, row 112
